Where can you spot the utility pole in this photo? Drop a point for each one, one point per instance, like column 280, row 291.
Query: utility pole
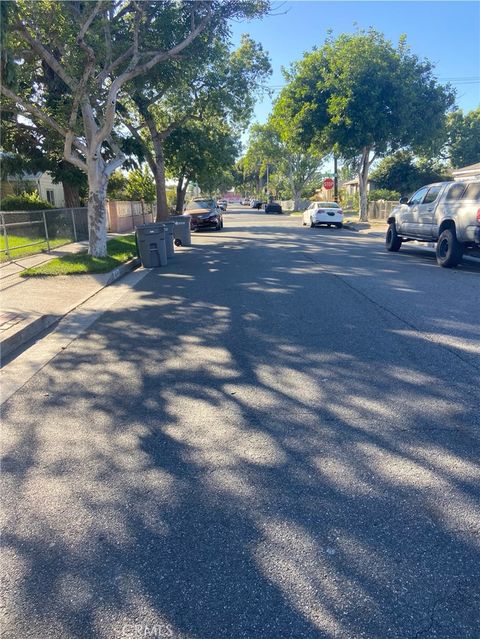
column 335, row 179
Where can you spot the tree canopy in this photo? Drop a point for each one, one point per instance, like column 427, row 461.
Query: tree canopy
column 363, row 97
column 404, row 173
column 66, row 65
column 463, row 144
column 290, row 170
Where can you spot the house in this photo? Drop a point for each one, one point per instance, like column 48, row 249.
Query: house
column 349, row 187
column 40, row 182
column 470, row 172
column 352, row 188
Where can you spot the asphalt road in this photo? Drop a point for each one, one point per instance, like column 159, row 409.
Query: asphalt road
column 276, row 436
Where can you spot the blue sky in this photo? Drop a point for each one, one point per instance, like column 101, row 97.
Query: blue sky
column 447, row 33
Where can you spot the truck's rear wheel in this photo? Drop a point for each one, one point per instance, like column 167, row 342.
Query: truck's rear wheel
column 449, row 250
column 392, row 241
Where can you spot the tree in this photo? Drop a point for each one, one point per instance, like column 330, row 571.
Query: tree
column 289, row 167
column 140, row 185
column 215, row 83
column 403, row 173
column 93, row 50
column 363, row 98
column 201, row 151
column 463, row 145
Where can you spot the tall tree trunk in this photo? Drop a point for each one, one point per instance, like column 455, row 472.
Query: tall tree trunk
column 297, row 200
column 184, row 191
column 97, row 215
column 179, row 205
column 160, row 187
column 182, row 186
column 159, row 159
column 72, row 195
column 363, row 184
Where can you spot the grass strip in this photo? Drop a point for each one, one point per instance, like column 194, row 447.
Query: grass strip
column 119, row 250
column 38, row 246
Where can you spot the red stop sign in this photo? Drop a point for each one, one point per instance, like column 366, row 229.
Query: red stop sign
column 328, row 183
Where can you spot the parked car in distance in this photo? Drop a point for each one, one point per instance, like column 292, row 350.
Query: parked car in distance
column 273, row 207
column 329, row 213
column 447, row 213
column 256, row 204
column 204, row 214
column 222, row 204
column 245, row 201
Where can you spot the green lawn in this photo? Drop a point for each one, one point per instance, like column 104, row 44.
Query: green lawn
column 120, row 250
column 18, row 240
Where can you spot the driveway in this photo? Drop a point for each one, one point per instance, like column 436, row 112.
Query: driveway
column 276, row 436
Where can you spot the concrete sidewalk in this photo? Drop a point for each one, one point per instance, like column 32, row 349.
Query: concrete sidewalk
column 29, row 306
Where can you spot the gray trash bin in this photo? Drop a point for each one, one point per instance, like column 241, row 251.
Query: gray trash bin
column 169, row 226
column 151, row 244
column 182, row 233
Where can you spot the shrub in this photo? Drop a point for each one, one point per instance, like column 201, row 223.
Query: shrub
column 383, row 194
column 24, row 202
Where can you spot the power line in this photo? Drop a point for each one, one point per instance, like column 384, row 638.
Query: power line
column 459, row 80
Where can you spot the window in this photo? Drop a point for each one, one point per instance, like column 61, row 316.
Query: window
column 330, row 205
column 432, row 194
column 418, row 196
column 50, row 197
column 200, row 204
column 472, row 192
column 455, row 192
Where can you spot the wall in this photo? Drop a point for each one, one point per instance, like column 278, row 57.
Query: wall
column 380, row 210
column 45, row 183
column 287, row 205
column 124, row 216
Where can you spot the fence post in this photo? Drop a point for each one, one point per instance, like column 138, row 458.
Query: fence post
column 74, row 225
column 46, row 231
column 7, row 250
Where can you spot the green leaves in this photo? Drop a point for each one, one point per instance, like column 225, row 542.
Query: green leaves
column 463, row 145
column 359, row 91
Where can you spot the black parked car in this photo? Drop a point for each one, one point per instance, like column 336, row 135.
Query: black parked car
column 204, row 214
column 273, row 207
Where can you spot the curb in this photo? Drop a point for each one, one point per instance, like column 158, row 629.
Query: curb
column 122, row 270
column 43, row 323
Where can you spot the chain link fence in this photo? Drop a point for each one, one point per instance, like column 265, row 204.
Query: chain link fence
column 29, row 232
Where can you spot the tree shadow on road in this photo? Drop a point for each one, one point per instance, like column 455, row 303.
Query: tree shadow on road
column 234, row 452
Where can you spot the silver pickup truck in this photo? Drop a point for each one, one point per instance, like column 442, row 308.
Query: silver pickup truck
column 447, row 213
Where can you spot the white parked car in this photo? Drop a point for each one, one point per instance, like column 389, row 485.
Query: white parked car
column 328, row 213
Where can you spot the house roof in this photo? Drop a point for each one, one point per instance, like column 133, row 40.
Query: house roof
column 467, row 169
column 25, row 177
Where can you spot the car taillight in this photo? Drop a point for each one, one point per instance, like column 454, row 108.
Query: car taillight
column 478, row 216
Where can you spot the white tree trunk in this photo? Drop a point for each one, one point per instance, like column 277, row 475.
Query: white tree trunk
column 362, row 184
column 97, row 216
